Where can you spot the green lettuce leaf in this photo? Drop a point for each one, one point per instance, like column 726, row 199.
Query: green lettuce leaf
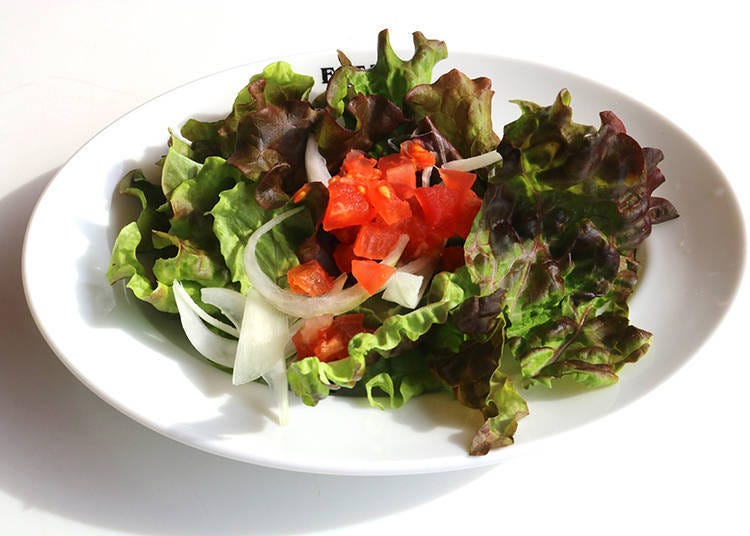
column 192, row 199
column 312, row 380
column 154, row 286
column 236, row 216
column 390, row 77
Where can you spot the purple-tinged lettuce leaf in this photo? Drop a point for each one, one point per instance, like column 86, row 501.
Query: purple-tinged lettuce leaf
column 273, row 136
column 460, row 108
column 504, row 407
column 390, row 77
column 276, row 84
column 556, row 237
column 375, row 118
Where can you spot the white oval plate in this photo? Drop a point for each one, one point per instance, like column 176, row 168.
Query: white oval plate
column 139, row 361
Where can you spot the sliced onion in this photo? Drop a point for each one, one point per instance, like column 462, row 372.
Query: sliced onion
column 211, row 345
column 407, row 286
column 230, row 302
column 315, row 165
column 277, row 381
column 263, row 336
column 475, row 162
column 298, row 305
column 403, row 288
column 426, row 172
column 215, row 322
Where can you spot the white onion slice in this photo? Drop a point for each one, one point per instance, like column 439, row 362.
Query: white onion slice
column 298, row 305
column 407, row 286
column 230, row 302
column 277, row 381
column 263, row 336
column 425, row 178
column 315, row 165
column 403, row 289
column 475, row 162
column 215, row 322
column 211, row 345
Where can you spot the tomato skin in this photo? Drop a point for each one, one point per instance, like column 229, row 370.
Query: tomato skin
column 457, row 180
column 371, row 275
column 326, row 337
column 309, row 278
column 347, row 205
column 387, row 203
column 416, row 151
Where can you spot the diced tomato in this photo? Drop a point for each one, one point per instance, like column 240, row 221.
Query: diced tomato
column 423, row 240
column 468, row 208
column 440, row 206
column 309, row 278
column 346, row 235
column 376, row 240
column 347, row 205
column 327, row 337
column 309, row 333
column 416, row 151
column 343, row 256
column 360, row 167
column 389, row 206
column 452, row 258
column 457, row 180
column 399, row 170
column 371, row 275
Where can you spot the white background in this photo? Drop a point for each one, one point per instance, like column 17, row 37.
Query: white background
column 674, row 461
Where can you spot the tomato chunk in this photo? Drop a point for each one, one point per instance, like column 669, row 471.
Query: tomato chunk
column 326, row 337
column 457, row 180
column 347, row 205
column 468, row 207
column 440, row 206
column 371, row 275
column 375, row 240
column 360, row 167
column 343, row 256
column 387, row 203
column 399, row 171
column 452, row 259
column 416, row 151
column 309, row 278
column 309, row 333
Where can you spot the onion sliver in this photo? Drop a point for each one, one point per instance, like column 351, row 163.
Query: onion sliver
column 263, row 337
column 475, row 162
column 230, row 302
column 315, row 165
column 298, row 305
column 276, row 379
column 215, row 322
column 211, row 345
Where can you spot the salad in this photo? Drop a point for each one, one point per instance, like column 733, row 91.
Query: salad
column 380, row 239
